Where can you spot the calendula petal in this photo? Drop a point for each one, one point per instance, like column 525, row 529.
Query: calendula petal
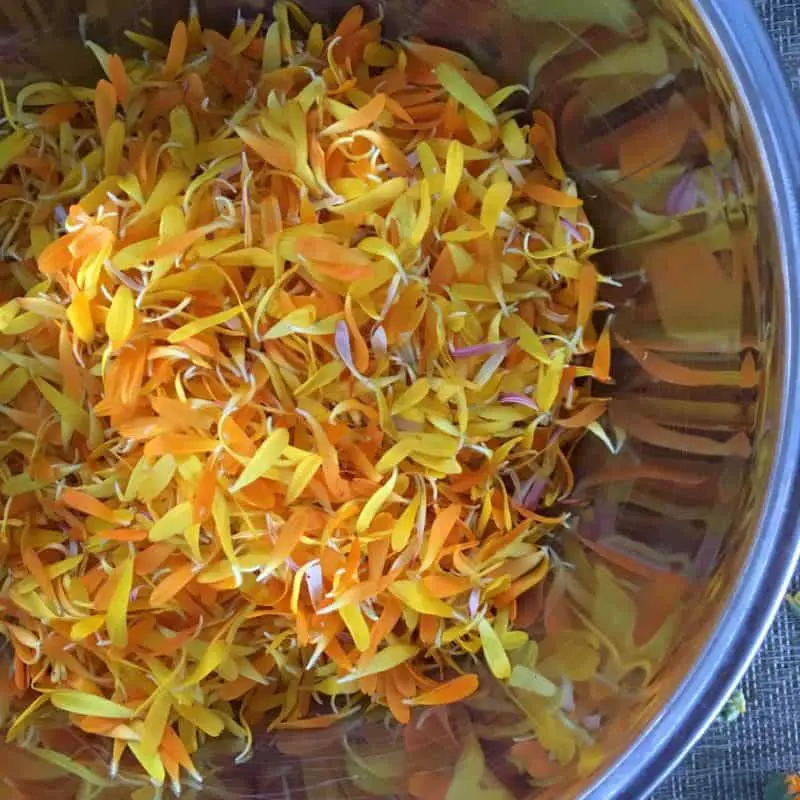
column 493, row 651
column 264, row 458
column 116, row 618
column 89, row 704
column 294, row 361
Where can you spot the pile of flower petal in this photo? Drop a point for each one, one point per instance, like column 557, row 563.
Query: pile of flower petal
column 296, row 341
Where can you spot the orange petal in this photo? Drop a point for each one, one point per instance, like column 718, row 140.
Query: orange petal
column 105, row 105
column 548, row 196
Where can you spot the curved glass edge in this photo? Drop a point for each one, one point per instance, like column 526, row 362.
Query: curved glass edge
column 752, row 65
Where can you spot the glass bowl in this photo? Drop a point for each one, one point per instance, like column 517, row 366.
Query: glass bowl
column 675, row 121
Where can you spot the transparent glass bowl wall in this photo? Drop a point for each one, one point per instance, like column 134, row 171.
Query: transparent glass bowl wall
column 695, row 289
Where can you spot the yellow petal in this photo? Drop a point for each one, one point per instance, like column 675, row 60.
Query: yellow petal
column 175, row 522
column 324, row 376
column 264, row 458
column 423, row 219
column 13, row 383
column 530, row 680
column 549, row 382
column 88, row 776
column 156, row 721
column 375, row 503
column 150, row 761
column 112, row 147
column 70, row 411
column 513, row 140
column 469, row 771
column 212, row 657
column 394, row 455
column 417, row 597
column 527, row 339
column 200, row 325
column 457, row 85
column 157, row 478
column 412, row 396
column 401, row 532
column 373, row 199
column 384, row 660
column 271, row 56
column 13, row 146
column 453, row 172
column 302, row 476
column 495, row 200
column 299, row 319
column 138, row 475
column 21, row 720
column 493, row 651
column 80, row 318
column 166, row 191
column 89, row 705
column 356, row 624
column 21, row 484
column 121, row 317
column 86, row 627
column 202, row 718
column 222, row 522
column 116, row 617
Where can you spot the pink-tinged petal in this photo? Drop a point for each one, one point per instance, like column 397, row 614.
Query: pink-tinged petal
column 342, row 341
column 718, row 187
column 379, row 341
column 474, row 602
column 602, row 524
column 684, row 194
column 316, row 586
column 484, row 349
column 706, row 557
column 519, row 399
column 534, row 494
column 571, row 230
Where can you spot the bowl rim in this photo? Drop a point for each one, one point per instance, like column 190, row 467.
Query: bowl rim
column 757, row 76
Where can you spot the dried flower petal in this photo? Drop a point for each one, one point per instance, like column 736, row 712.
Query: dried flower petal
column 263, row 470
